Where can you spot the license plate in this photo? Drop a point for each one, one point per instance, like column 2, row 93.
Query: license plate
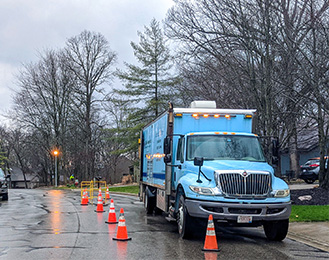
column 244, row 219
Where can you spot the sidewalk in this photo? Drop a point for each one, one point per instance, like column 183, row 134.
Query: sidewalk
column 302, row 186
column 315, row 234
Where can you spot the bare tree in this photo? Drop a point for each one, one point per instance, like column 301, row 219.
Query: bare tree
column 89, row 59
column 313, row 75
column 228, row 50
column 235, row 50
column 42, row 103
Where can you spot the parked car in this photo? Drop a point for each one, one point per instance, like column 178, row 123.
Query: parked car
column 309, row 172
column 3, row 185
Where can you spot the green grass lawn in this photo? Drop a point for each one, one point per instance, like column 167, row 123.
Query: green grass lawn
column 134, row 189
column 63, row 187
column 309, row 213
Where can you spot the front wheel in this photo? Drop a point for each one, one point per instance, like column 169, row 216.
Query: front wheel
column 5, row 196
column 309, row 181
column 184, row 220
column 276, row 230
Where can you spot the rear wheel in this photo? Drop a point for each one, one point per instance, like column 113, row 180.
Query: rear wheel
column 184, row 220
column 5, row 196
column 276, row 230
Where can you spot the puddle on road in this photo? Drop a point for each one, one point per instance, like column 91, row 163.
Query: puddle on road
column 210, row 256
column 32, row 248
column 122, row 249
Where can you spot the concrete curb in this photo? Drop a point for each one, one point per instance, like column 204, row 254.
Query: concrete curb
column 315, row 234
column 308, row 241
column 123, row 193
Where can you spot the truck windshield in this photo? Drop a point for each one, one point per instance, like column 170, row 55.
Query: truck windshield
column 228, row 147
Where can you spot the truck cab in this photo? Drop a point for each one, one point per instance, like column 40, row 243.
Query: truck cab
column 212, row 164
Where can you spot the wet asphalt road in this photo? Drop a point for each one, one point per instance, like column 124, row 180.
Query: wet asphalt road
column 51, row 224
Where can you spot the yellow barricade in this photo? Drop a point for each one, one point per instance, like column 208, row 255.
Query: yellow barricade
column 85, row 185
column 92, row 187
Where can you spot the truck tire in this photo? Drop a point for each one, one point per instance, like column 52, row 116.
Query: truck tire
column 184, row 220
column 149, row 203
column 5, row 196
column 276, row 230
column 309, row 181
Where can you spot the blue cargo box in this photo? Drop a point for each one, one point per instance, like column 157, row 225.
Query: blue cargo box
column 186, row 120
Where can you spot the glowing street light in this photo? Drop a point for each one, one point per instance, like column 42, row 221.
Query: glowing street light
column 55, row 153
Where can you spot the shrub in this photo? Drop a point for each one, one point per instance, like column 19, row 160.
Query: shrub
column 127, row 179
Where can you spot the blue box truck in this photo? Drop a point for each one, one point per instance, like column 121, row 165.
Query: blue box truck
column 202, row 160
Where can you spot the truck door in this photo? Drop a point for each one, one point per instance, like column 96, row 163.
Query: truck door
column 179, row 160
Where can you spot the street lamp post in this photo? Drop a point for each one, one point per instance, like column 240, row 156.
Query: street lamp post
column 55, row 153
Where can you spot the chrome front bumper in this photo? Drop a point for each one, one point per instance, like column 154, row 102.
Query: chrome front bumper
column 231, row 211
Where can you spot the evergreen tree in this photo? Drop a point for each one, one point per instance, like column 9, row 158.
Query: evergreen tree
column 3, row 157
column 148, row 87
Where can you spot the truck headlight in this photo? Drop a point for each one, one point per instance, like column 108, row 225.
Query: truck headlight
column 281, row 193
column 205, row 190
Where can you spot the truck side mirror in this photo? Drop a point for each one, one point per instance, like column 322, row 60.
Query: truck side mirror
column 167, row 158
column 167, row 145
column 198, row 161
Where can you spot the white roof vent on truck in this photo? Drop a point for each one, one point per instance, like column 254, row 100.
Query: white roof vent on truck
column 203, row 104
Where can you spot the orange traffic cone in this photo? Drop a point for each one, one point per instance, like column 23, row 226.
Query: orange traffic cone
column 100, row 194
column 107, row 194
column 210, row 243
column 84, row 200
column 87, row 198
column 112, row 219
column 122, row 234
column 100, row 203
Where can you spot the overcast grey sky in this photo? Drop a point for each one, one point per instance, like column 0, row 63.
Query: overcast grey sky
column 31, row 26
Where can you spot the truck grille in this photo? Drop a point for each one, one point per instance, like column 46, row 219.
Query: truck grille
column 243, row 183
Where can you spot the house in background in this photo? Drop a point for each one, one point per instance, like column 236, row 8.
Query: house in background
column 307, row 147
column 17, row 179
column 122, row 169
column 116, row 171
